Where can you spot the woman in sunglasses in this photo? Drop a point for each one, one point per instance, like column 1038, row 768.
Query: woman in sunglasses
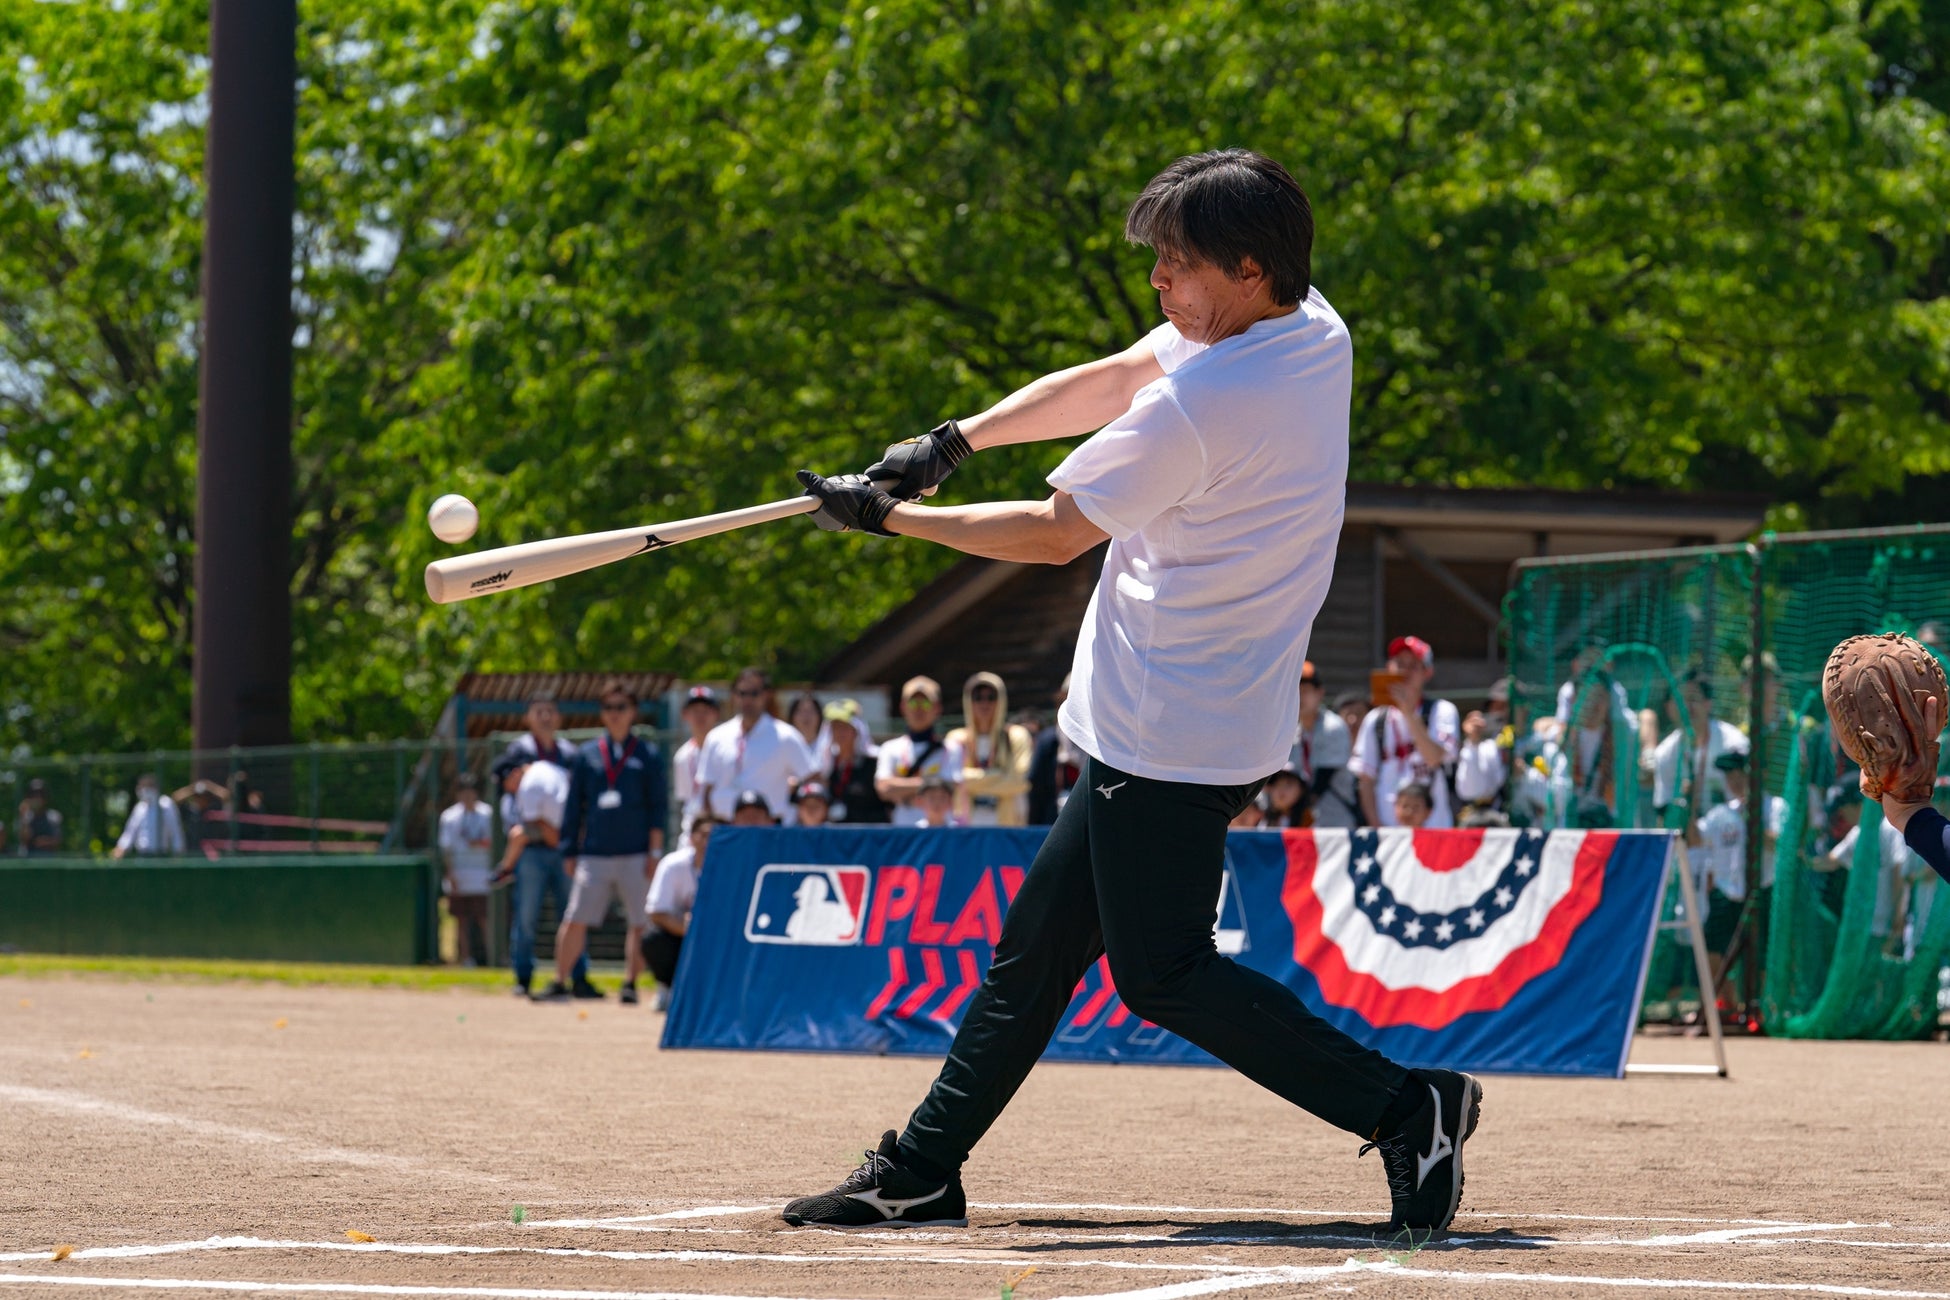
column 994, row 755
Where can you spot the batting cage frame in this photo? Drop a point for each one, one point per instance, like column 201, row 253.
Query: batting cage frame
column 1657, row 688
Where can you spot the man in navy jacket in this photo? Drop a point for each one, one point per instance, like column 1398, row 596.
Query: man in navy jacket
column 612, row 834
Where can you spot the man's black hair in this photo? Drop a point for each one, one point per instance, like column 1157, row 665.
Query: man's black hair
column 1222, row 207
column 763, row 678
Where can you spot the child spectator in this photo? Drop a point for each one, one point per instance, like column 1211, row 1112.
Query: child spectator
column 935, row 801
column 1718, row 849
column 466, row 835
column 811, row 803
column 536, row 793
column 1413, row 806
column 1284, row 804
column 752, row 810
column 995, row 754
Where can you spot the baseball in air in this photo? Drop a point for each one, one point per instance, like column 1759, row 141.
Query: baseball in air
column 453, row 518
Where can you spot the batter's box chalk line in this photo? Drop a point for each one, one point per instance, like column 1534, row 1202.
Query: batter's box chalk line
column 1351, row 1270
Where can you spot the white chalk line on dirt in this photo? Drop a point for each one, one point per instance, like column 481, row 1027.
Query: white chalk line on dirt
column 73, row 1103
column 1210, row 1285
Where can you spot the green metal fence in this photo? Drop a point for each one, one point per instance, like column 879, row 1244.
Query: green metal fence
column 1636, row 679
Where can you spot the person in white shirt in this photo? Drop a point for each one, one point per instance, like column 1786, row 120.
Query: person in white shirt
column 1697, row 761
column 753, row 751
column 1592, row 655
column 911, row 758
column 1218, row 478
column 1320, row 755
column 154, row 826
column 538, row 792
column 700, row 714
column 1480, row 771
column 1411, row 741
column 673, row 892
column 1717, row 847
column 466, row 836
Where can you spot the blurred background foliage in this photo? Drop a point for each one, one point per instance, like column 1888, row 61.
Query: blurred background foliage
column 603, row 263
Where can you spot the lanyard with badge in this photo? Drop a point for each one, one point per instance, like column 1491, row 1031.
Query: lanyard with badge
column 612, row 797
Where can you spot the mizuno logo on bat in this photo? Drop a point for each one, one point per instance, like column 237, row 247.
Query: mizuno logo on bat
column 492, row 580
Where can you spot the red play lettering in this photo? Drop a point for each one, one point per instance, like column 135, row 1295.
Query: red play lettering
column 893, row 898
column 1011, row 882
column 980, row 917
column 924, row 928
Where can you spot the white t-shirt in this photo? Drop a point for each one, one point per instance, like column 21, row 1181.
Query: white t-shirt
column 673, row 890
column 1720, row 858
column 768, row 759
column 1385, row 752
column 1721, row 738
column 1567, row 695
column 686, row 786
column 542, row 794
column 896, row 758
column 1222, row 488
column 1894, row 865
column 460, row 826
column 156, row 828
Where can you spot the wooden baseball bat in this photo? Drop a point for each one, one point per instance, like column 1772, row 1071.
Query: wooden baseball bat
column 462, row 577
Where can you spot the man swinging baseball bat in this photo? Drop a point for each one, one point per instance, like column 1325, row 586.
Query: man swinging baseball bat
column 1219, row 477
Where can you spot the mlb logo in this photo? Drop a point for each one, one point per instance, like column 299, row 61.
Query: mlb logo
column 812, row 905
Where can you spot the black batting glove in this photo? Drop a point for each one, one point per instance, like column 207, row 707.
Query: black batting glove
column 849, row 503
column 916, row 467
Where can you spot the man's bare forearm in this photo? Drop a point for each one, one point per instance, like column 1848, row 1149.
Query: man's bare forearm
column 1024, row 532
column 1068, row 403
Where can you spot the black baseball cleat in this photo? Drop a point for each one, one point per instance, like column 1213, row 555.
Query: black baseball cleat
column 1423, row 1158
column 583, row 989
column 556, row 991
column 884, row 1193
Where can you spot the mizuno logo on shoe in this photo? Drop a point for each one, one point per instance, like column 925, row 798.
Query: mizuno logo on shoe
column 894, row 1209
column 1108, row 790
column 1440, row 1147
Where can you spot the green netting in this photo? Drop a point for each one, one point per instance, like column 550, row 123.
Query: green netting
column 1826, row 948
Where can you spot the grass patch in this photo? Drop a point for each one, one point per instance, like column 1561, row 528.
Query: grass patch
column 210, row 971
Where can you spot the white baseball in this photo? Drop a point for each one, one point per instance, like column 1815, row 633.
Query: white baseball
column 453, row 518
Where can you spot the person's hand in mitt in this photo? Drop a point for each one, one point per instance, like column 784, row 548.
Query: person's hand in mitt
column 1885, row 696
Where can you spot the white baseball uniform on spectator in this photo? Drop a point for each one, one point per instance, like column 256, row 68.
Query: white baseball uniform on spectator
column 1720, row 858
column 673, row 889
column 1479, row 770
column 1168, row 684
column 153, row 827
column 1385, row 752
column 769, row 758
column 461, row 826
column 897, row 758
column 1893, row 865
column 1721, row 738
column 1567, row 696
column 542, row 794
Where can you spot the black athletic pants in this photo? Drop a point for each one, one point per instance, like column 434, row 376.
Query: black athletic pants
column 661, row 949
column 1132, row 868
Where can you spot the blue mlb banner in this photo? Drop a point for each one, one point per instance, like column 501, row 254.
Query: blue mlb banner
column 1512, row 951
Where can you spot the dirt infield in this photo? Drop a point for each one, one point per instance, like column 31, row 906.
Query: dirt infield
column 226, row 1139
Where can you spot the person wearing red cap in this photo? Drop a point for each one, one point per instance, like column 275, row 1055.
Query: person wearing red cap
column 1412, row 741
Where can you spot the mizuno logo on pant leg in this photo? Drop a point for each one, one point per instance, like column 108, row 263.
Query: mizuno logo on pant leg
column 1108, row 790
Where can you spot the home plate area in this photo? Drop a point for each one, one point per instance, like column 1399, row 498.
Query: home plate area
column 1129, row 1252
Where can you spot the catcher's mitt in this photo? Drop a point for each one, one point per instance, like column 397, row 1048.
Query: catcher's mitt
column 1885, row 696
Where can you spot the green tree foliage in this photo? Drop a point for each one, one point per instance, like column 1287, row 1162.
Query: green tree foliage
column 614, row 262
